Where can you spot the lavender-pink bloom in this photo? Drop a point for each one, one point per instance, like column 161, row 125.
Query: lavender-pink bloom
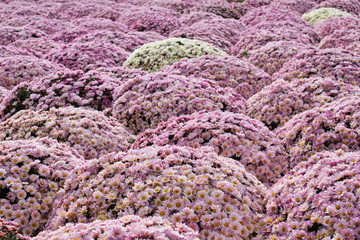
column 222, row 8
column 10, row 51
column 318, row 199
column 20, row 68
column 329, row 127
column 38, row 47
column 328, row 26
column 300, row 6
column 90, row 132
column 31, row 174
column 232, row 72
column 350, row 6
column 91, row 90
column 146, row 101
column 125, row 228
column 335, row 63
column 11, row 34
column 230, row 134
column 194, row 17
column 89, row 55
column 277, row 103
column 211, row 194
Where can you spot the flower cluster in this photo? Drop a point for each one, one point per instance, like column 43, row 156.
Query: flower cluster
column 19, row 68
column 154, row 56
column 272, row 56
column 48, row 25
column 222, row 33
column 300, row 6
column 221, row 8
column 349, row 6
column 270, row 14
column 9, row 51
column 89, row 55
column 9, row 231
column 146, row 101
column 12, row 34
column 318, row 199
column 180, row 6
column 277, row 103
column 335, row 63
column 320, row 14
column 38, row 47
column 262, row 33
column 331, row 25
column 333, row 126
column 75, row 88
column 229, row 71
column 3, row 93
column 125, row 228
column 213, row 195
column 88, row 131
column 342, row 38
column 121, row 74
column 194, row 17
column 129, row 41
column 93, row 24
column 31, row 174
column 151, row 18
column 229, row 134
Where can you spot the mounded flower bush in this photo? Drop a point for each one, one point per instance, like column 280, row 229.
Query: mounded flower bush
column 228, row 71
column 194, row 17
column 259, row 35
column 349, row 6
column 9, row 230
column 125, row 228
column 19, row 68
column 72, row 88
column 151, row 18
column 211, row 194
column 130, row 40
column 90, row 132
column 146, row 101
column 122, row 74
column 330, row 127
column 12, row 34
column 336, row 63
column 320, row 14
column 333, row 24
column 230, row 134
column 38, row 47
column 221, row 8
column 278, row 102
column 300, row 6
column 89, row 55
column 31, row 174
column 342, row 38
column 3, row 93
column 154, row 56
column 219, row 32
column 272, row 56
column 8, row 51
column 318, row 199
column 93, row 24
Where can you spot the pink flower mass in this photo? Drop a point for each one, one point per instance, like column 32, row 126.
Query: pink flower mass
column 179, row 119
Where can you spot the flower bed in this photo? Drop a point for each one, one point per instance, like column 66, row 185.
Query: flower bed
column 90, row 132
column 146, row 101
column 31, row 174
column 211, row 194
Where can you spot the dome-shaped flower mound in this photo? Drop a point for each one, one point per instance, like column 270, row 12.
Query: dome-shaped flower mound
column 194, row 17
column 277, row 103
column 342, row 38
column 154, row 56
column 121, row 74
column 31, row 174
column 333, row 126
column 222, row 33
column 300, row 6
column 93, row 24
column 270, row 14
column 146, row 101
column 9, row 230
column 221, row 8
column 9, row 51
column 89, row 55
column 126, row 40
column 331, row 25
column 213, row 195
column 151, row 18
column 349, row 6
column 179, row 6
column 319, row 199
column 125, row 228
column 48, row 25
column 12, row 34
column 38, row 47
column 230, row 134
column 229, row 71
column 259, row 35
column 272, row 56
column 19, row 68
column 321, row 14
column 338, row 64
column 90, row 132
column 3, row 93
column 90, row 90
